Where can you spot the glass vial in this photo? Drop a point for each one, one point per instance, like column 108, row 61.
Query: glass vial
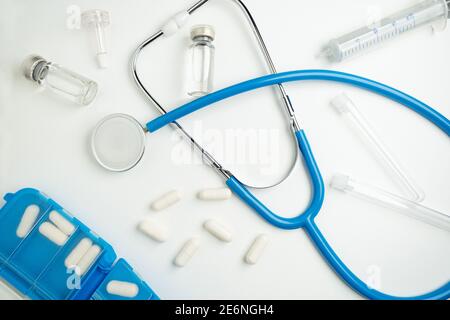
column 201, row 60
column 60, row 80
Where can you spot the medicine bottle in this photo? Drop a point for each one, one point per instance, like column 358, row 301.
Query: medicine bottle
column 60, row 80
column 201, row 60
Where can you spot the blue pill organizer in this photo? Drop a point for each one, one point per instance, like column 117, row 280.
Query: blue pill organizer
column 35, row 263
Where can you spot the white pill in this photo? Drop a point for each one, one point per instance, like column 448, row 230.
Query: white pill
column 122, row 289
column 154, row 230
column 28, row 219
column 61, row 222
column 218, row 230
column 186, row 253
column 78, row 252
column 256, row 249
column 53, row 233
column 166, row 200
column 214, row 194
column 85, row 263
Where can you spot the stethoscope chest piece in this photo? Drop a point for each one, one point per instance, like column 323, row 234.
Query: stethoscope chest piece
column 118, row 142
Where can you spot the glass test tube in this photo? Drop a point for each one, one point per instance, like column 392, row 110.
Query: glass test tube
column 345, row 106
column 391, row 201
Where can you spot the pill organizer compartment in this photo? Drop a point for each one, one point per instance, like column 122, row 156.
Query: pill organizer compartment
column 34, row 254
column 61, row 282
column 122, row 271
column 58, row 281
column 11, row 215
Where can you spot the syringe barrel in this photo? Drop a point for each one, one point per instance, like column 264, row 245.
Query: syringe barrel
column 428, row 12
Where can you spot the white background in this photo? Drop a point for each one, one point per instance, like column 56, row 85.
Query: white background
column 44, row 143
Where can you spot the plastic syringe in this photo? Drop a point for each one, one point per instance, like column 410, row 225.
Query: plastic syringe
column 428, row 12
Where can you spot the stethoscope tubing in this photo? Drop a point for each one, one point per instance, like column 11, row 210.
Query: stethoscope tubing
column 302, row 75
column 322, row 245
column 318, row 192
column 306, row 219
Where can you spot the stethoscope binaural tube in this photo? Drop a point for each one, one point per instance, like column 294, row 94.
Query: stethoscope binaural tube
column 306, row 219
column 171, row 27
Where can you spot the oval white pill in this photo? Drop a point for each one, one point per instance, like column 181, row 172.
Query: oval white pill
column 53, row 233
column 218, row 230
column 256, row 249
column 28, row 219
column 214, row 194
column 78, row 252
column 186, row 253
column 86, row 261
column 154, row 230
column 122, row 289
column 166, row 200
column 61, row 222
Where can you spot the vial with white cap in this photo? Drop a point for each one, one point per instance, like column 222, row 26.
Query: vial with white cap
column 201, row 60
column 98, row 20
column 58, row 79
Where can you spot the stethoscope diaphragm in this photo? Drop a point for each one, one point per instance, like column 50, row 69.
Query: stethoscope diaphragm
column 118, row 142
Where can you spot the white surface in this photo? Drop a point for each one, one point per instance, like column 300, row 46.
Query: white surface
column 44, row 143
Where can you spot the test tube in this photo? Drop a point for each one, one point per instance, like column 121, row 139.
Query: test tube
column 389, row 200
column 345, row 107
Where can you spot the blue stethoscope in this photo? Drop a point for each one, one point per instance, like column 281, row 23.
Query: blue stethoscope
column 304, row 220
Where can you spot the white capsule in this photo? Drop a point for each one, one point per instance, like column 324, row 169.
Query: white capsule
column 85, row 263
column 256, row 249
column 166, row 200
column 28, row 219
column 154, row 230
column 78, row 252
column 53, row 233
column 218, row 230
column 186, row 253
column 214, row 194
column 122, row 289
column 61, row 222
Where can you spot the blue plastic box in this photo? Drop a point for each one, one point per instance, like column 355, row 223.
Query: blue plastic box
column 34, row 265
